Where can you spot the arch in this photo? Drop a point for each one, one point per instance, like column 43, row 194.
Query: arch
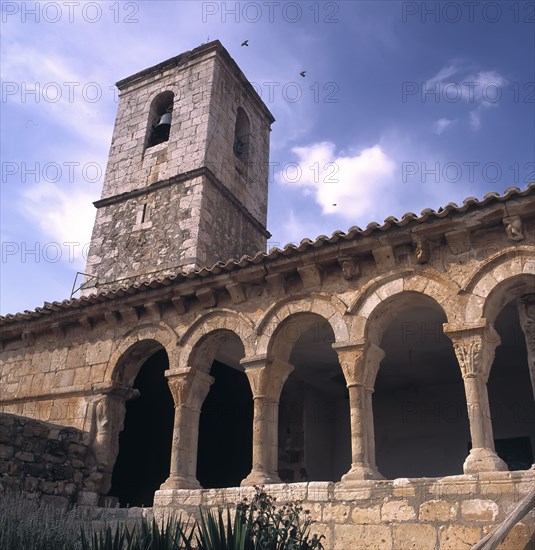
column 272, row 325
column 214, row 325
column 503, row 277
column 372, row 309
column 159, row 118
column 136, row 346
column 242, row 136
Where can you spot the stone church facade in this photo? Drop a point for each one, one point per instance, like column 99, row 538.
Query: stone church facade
column 385, row 376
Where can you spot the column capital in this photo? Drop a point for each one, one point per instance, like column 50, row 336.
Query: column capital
column 189, row 386
column 360, row 362
column 266, row 376
column 474, row 345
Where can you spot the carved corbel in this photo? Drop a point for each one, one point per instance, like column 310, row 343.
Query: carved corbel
column 513, row 228
column 421, row 249
column 350, row 267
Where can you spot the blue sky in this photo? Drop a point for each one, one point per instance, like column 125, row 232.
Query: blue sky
column 404, row 106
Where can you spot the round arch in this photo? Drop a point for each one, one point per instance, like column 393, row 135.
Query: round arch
column 298, row 316
column 135, row 347
column 372, row 310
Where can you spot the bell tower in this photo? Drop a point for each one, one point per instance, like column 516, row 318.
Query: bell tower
column 186, row 182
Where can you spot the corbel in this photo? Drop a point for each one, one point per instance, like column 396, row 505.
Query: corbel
column 311, row 274
column 421, row 249
column 207, row 297
column 350, row 267
column 513, row 228
column 237, row 292
column 384, row 257
column 179, row 303
column 129, row 314
column 275, row 283
column 458, row 241
column 153, row 309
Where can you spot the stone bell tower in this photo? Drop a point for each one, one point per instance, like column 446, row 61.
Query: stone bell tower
column 186, row 183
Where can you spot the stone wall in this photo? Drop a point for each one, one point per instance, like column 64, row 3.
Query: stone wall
column 422, row 514
column 51, row 461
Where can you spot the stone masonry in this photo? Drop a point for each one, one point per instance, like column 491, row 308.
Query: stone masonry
column 75, row 363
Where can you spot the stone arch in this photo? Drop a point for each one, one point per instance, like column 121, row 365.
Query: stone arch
column 270, row 329
column 504, row 276
column 136, row 346
column 371, row 307
column 213, row 327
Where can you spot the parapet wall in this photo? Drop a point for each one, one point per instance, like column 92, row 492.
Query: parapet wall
column 53, row 462
column 427, row 513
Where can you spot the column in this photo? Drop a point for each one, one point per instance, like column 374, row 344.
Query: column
column 526, row 313
column 267, row 379
column 360, row 364
column 474, row 347
column 189, row 388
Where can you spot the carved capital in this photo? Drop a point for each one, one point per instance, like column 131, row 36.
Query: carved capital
column 474, row 347
column 266, row 377
column 189, row 387
column 513, row 228
column 360, row 363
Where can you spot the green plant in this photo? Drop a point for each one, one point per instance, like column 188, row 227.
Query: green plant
column 216, row 533
column 272, row 528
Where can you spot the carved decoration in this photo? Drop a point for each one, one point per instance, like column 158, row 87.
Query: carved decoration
column 421, row 250
column 513, row 228
column 350, row 268
column 468, row 354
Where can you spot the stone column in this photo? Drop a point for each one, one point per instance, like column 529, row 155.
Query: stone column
column 474, row 347
column 189, row 388
column 267, row 380
column 526, row 313
column 360, row 364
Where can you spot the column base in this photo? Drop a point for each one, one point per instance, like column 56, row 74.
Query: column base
column 260, row 477
column 483, row 460
column 361, row 471
column 180, row 482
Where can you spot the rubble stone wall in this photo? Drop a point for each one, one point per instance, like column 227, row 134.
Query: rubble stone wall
column 51, row 461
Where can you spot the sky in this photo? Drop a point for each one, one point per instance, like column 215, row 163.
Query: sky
column 404, row 105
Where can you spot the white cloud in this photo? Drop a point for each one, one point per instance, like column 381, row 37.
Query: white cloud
column 347, row 185
column 62, row 217
column 480, row 90
column 442, row 124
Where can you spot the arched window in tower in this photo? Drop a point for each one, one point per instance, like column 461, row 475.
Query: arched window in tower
column 242, row 135
column 160, row 117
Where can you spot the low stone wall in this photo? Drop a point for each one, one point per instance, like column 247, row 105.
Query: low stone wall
column 448, row 513
column 53, row 462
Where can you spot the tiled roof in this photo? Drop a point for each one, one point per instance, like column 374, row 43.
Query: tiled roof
column 354, row 233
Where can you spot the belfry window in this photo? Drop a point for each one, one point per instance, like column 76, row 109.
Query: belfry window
column 160, row 118
column 242, row 135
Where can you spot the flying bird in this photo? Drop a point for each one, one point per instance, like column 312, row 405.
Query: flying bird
column 245, row 43
column 303, row 73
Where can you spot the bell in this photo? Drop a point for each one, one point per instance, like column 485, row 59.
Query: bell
column 164, row 125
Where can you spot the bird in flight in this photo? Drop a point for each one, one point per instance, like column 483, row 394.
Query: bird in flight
column 245, row 43
column 303, row 73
